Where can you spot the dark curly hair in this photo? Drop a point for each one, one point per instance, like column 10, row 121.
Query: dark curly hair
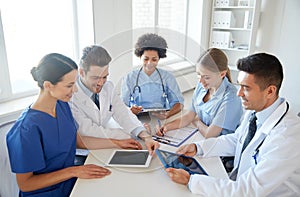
column 151, row 41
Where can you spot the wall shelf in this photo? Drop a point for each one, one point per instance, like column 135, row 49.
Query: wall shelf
column 234, row 28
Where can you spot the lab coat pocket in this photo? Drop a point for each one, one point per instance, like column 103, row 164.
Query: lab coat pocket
column 106, row 116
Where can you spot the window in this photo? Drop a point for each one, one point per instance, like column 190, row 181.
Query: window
column 179, row 22
column 29, row 30
column 163, row 15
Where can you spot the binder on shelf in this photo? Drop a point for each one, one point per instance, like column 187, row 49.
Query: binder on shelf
column 223, row 19
column 248, row 19
column 221, row 39
column 224, row 3
column 244, row 3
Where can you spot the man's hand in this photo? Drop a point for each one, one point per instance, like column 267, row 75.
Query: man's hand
column 188, row 150
column 151, row 145
column 178, row 175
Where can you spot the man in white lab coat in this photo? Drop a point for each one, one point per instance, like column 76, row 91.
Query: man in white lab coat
column 96, row 103
column 269, row 165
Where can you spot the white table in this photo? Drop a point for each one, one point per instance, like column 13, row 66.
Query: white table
column 152, row 181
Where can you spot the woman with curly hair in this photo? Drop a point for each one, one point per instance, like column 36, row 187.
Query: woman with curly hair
column 148, row 86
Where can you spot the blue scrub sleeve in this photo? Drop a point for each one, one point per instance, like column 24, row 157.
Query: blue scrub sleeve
column 29, row 156
column 229, row 113
column 173, row 91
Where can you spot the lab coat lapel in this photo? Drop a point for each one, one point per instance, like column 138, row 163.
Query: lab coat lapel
column 87, row 105
column 243, row 129
column 260, row 135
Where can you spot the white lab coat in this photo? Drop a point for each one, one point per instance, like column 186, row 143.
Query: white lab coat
column 277, row 172
column 93, row 122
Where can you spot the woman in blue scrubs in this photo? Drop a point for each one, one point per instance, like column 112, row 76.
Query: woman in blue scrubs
column 149, row 86
column 216, row 109
column 43, row 141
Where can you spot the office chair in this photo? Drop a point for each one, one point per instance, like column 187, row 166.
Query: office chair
column 8, row 183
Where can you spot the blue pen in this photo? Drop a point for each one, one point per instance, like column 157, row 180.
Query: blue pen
column 255, row 156
column 161, row 130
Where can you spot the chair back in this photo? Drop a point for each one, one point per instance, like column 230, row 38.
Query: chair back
column 8, row 183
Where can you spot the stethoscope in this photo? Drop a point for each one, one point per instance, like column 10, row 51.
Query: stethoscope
column 255, row 153
column 164, row 95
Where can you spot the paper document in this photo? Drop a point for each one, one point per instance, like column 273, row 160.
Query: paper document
column 176, row 137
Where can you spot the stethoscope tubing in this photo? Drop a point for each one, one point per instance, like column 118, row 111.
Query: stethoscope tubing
column 139, row 88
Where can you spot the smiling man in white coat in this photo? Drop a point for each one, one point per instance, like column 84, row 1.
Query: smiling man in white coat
column 267, row 164
column 95, row 102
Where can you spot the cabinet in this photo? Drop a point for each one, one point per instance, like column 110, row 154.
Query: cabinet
column 234, row 25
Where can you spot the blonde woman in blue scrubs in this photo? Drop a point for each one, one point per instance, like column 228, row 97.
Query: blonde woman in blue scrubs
column 149, row 86
column 216, row 109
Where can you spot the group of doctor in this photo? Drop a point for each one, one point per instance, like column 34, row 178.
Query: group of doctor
column 73, row 111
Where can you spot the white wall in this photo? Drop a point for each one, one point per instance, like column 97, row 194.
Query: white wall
column 279, row 34
column 112, row 25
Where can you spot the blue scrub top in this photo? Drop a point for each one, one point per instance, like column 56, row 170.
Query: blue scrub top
column 151, row 95
column 40, row 143
column 224, row 109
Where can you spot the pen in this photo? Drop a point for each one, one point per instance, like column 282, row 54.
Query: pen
column 255, row 156
column 161, row 139
column 159, row 124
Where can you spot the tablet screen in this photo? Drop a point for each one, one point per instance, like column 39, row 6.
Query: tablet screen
column 130, row 158
column 173, row 160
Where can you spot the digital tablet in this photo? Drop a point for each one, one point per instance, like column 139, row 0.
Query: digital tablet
column 155, row 110
column 129, row 158
column 173, row 160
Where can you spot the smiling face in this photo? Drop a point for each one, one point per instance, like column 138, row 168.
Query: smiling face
column 209, row 79
column 95, row 78
column 149, row 61
column 65, row 88
column 253, row 97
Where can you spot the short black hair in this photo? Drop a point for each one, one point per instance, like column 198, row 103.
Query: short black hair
column 151, row 41
column 266, row 69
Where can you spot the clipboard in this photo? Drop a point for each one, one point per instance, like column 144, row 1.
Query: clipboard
column 176, row 137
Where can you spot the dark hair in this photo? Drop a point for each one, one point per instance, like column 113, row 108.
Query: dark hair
column 94, row 55
column 266, row 68
column 215, row 60
column 52, row 67
column 151, row 41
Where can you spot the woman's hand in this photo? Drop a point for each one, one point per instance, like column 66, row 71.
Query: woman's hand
column 136, row 109
column 91, row 171
column 161, row 130
column 162, row 115
column 128, row 144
